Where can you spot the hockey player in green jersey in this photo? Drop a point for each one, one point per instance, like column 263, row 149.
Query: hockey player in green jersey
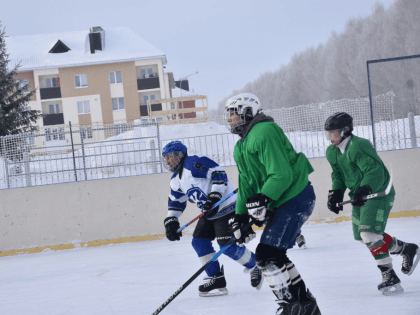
column 274, row 190
column 356, row 166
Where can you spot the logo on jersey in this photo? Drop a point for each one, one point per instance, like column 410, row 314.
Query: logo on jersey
column 198, row 196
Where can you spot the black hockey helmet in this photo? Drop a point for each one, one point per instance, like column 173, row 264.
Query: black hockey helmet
column 339, row 121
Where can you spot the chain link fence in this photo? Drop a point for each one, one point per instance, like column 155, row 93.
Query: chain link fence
column 78, row 153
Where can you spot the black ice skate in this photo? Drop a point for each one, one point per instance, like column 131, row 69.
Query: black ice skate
column 256, row 277
column 296, row 307
column 391, row 284
column 288, row 304
column 310, row 307
column 411, row 257
column 214, row 286
column 300, row 241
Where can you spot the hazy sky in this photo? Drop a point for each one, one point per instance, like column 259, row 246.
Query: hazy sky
column 229, row 42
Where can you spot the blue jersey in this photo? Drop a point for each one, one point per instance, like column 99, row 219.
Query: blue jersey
column 199, row 176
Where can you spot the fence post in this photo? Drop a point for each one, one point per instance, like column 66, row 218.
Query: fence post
column 153, row 153
column 6, row 163
column 159, row 149
column 371, row 106
column 27, row 165
column 412, row 127
column 83, row 154
column 72, row 150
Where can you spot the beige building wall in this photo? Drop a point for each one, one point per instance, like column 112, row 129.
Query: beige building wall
column 29, row 76
column 119, row 116
column 117, row 90
column 98, row 83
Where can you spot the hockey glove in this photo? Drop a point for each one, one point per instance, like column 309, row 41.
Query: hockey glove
column 357, row 200
column 212, row 198
column 335, row 197
column 171, row 227
column 257, row 208
column 237, row 224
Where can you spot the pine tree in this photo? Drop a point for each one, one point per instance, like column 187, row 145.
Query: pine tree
column 14, row 118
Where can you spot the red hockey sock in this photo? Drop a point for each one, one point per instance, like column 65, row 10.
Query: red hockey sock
column 380, row 249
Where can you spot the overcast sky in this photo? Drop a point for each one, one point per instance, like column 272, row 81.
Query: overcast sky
column 229, row 42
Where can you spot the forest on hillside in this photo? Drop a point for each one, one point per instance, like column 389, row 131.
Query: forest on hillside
column 337, row 69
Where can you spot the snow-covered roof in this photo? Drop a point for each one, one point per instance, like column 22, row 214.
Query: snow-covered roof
column 121, row 44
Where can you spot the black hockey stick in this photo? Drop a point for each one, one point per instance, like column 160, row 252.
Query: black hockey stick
column 204, row 267
column 379, row 194
column 214, row 206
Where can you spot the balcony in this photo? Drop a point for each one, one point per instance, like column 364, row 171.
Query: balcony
column 53, row 119
column 48, row 93
column 154, row 107
column 148, row 83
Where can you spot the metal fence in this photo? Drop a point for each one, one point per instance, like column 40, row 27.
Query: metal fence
column 79, row 153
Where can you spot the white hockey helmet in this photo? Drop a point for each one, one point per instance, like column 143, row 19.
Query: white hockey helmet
column 245, row 105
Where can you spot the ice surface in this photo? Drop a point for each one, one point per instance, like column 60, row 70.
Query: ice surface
column 136, row 278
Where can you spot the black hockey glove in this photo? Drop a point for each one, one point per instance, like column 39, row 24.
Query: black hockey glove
column 258, row 210
column 335, row 197
column 357, row 200
column 212, row 198
column 171, row 227
column 237, row 224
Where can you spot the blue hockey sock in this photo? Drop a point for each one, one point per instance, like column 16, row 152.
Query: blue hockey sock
column 205, row 251
column 240, row 254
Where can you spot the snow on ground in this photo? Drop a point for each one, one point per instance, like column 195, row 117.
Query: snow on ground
column 136, row 278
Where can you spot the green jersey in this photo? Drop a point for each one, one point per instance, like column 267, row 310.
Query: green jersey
column 359, row 165
column 268, row 164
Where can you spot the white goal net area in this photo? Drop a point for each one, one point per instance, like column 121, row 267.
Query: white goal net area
column 62, row 154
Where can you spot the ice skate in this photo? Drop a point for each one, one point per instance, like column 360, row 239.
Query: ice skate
column 256, row 277
column 411, row 257
column 296, row 307
column 310, row 307
column 288, row 305
column 300, row 241
column 214, row 286
column 391, row 284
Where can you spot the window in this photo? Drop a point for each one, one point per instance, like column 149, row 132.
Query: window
column 24, row 85
column 148, row 73
column 148, row 97
column 83, row 107
column 86, row 133
column 52, row 82
column 52, row 134
column 80, row 81
column 118, row 103
column 54, row 108
column 115, row 77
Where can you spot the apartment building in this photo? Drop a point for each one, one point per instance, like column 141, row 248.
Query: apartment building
column 96, row 76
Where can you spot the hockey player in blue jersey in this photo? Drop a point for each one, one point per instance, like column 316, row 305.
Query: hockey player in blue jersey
column 201, row 180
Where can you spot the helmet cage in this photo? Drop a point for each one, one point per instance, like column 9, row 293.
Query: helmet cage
column 337, row 134
column 245, row 105
column 172, row 160
column 241, row 112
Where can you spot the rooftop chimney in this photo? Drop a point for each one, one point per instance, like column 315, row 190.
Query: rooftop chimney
column 96, row 39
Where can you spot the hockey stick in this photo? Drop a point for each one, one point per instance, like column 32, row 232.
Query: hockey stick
column 202, row 214
column 204, row 267
column 379, row 194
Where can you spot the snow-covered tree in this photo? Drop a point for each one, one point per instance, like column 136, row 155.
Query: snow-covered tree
column 14, row 98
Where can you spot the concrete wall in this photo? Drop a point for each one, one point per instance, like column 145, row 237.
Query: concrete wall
column 134, row 206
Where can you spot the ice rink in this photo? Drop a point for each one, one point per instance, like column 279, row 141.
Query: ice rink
column 136, row 278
